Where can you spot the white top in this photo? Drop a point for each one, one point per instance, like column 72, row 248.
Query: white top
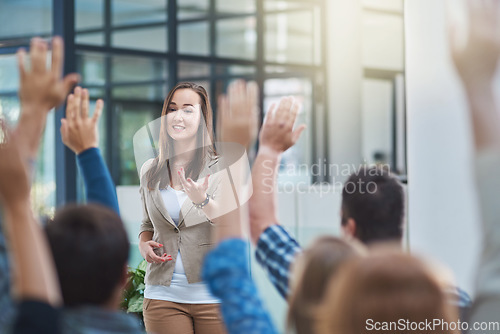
column 179, row 291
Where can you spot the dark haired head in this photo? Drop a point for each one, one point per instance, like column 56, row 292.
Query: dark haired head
column 374, row 199
column 90, row 248
column 159, row 172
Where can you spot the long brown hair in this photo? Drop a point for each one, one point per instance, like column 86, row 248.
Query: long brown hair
column 160, row 172
column 384, row 288
column 314, row 269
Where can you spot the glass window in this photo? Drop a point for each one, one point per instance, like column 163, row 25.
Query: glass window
column 90, row 39
column 126, row 12
column 139, row 92
column 297, row 160
column 91, row 68
column 10, row 109
column 279, row 5
column 89, row 14
column 233, row 70
column 151, row 39
column 293, row 37
column 237, row 7
column 9, row 75
column 129, row 69
column 189, row 9
column 25, row 18
column 193, row 38
column 131, row 118
column 236, row 38
column 191, row 69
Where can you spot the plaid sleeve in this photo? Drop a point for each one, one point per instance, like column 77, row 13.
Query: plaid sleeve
column 276, row 249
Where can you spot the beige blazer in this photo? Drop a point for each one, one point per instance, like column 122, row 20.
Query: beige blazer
column 192, row 236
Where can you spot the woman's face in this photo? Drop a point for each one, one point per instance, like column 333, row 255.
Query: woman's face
column 183, row 115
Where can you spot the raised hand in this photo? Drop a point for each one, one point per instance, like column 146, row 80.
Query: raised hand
column 238, row 113
column 277, row 131
column 79, row 131
column 147, row 251
column 40, row 88
column 477, row 61
column 196, row 191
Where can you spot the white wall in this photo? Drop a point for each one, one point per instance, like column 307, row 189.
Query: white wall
column 443, row 215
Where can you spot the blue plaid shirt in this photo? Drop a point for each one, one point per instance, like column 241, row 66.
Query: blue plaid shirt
column 227, row 273
column 277, row 249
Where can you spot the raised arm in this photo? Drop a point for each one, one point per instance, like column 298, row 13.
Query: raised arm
column 276, row 136
column 79, row 131
column 476, row 64
column 41, row 89
column 35, row 284
column 225, row 268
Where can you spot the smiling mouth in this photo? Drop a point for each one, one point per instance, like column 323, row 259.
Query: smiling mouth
column 178, row 128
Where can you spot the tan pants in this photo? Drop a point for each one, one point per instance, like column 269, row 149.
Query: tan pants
column 174, row 318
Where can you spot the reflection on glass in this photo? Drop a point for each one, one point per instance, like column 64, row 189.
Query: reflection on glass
column 90, row 39
column 139, row 92
column 189, row 9
column 127, row 69
column 231, row 6
column 9, row 75
column 137, row 12
column 36, row 18
column 152, row 39
column 236, row 38
column 89, row 14
column 297, row 160
column 191, row 69
column 193, row 38
column 293, row 37
column 132, row 118
column 91, row 68
column 227, row 69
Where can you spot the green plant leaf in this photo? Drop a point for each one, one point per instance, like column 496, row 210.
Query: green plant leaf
column 142, row 266
column 135, row 304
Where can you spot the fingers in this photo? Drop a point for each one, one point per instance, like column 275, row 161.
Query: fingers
column 270, row 113
column 77, row 103
column 70, row 107
column 85, row 104
column 205, row 183
column 57, row 56
column 98, row 110
column 182, row 177
column 64, row 130
column 21, row 56
column 296, row 134
column 281, row 114
column 70, row 81
column 38, row 55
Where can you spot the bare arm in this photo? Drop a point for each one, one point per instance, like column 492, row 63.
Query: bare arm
column 34, row 272
column 41, row 89
column 276, row 136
